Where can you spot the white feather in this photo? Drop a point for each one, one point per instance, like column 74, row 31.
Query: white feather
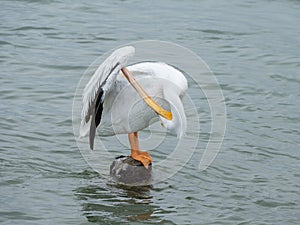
column 104, row 77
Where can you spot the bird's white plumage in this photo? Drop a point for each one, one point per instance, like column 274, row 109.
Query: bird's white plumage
column 163, row 71
column 123, row 109
column 105, row 76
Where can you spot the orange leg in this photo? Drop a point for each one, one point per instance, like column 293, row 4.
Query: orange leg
column 136, row 153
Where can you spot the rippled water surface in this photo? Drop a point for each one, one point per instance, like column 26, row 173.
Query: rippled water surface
column 252, row 47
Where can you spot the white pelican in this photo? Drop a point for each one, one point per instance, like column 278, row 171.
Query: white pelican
column 101, row 100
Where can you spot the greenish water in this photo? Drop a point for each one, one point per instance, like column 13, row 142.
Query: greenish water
column 251, row 46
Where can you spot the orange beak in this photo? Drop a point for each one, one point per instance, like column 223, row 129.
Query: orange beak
column 149, row 101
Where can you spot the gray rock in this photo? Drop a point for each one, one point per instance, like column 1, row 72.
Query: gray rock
column 128, row 171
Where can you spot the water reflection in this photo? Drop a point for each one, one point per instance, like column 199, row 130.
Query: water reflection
column 135, row 192
column 107, row 203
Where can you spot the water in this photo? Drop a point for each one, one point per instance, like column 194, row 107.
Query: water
column 251, row 46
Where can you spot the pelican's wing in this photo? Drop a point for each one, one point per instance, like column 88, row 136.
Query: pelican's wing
column 96, row 89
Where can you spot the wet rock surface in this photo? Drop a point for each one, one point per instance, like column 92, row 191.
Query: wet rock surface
column 128, row 171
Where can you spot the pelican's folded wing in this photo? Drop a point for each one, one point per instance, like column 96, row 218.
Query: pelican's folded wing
column 98, row 86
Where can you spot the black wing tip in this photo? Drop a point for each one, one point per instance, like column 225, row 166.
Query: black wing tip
column 92, row 146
